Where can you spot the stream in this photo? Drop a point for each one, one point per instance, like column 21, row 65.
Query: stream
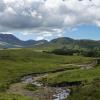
column 52, row 93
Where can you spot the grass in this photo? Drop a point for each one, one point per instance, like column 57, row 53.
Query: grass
column 73, row 75
column 16, row 63
column 31, row 87
column 87, row 92
column 4, row 96
column 19, row 62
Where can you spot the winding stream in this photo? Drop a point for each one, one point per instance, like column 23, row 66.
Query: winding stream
column 57, row 93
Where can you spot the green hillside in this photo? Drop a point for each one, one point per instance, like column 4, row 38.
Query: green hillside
column 70, row 44
column 11, row 41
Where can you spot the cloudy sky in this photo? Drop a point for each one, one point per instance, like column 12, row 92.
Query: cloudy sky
column 47, row 19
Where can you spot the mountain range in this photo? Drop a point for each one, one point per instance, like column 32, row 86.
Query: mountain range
column 10, row 41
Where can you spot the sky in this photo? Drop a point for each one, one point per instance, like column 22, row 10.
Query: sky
column 48, row 19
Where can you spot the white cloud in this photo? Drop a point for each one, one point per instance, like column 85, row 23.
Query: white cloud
column 70, row 20
column 6, row 32
column 10, row 10
column 8, row 1
column 52, row 16
column 39, row 38
column 34, row 14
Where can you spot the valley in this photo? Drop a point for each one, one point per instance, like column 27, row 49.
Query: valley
column 49, row 49
column 46, row 70
column 31, row 75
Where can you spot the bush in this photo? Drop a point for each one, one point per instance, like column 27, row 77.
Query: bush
column 3, row 87
column 63, row 52
column 31, row 87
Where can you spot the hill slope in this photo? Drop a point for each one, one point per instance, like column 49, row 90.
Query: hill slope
column 71, row 44
column 10, row 41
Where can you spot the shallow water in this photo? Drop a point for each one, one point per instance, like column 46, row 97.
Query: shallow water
column 59, row 92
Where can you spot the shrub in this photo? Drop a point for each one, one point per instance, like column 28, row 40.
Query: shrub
column 31, row 87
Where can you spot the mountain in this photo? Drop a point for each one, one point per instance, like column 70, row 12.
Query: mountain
column 10, row 41
column 70, row 43
column 9, row 38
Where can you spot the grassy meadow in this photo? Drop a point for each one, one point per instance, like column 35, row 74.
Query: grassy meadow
column 72, row 76
column 16, row 63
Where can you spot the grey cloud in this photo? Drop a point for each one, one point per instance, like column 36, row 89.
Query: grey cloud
column 39, row 16
column 2, row 6
column 19, row 22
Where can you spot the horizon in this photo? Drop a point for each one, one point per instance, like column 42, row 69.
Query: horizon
column 49, row 19
column 52, row 39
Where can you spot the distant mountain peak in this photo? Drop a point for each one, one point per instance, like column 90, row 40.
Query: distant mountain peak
column 8, row 38
column 11, row 41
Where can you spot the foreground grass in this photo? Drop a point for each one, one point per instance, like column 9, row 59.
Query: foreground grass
column 4, row 96
column 87, row 92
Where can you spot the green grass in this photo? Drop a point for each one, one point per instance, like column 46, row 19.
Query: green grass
column 19, row 62
column 87, row 92
column 16, row 63
column 4, row 96
column 73, row 75
column 31, row 87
